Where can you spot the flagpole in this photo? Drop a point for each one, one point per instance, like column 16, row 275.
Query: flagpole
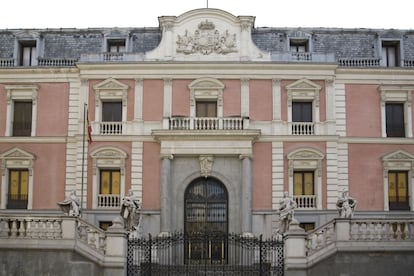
column 83, row 153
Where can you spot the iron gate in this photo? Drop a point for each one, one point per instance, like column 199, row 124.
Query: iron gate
column 204, row 254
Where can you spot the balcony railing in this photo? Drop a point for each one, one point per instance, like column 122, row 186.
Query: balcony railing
column 304, row 56
column 109, row 201
column 207, row 123
column 110, row 128
column 359, row 62
column 303, row 128
column 57, row 62
column 305, row 201
column 7, row 62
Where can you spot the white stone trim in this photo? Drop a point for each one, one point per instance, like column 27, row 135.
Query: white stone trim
column 276, row 96
column 304, row 90
column 107, row 158
column 206, row 89
column 16, row 158
column 139, row 92
column 399, row 161
column 398, row 94
column 20, row 92
column 307, row 159
column 136, row 168
column 110, row 90
column 277, row 174
column 245, row 97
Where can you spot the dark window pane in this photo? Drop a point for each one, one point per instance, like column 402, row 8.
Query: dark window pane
column 111, row 111
column 301, row 112
column 395, row 119
column 206, row 109
column 22, row 119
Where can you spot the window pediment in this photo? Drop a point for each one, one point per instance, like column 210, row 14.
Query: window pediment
column 399, row 160
column 305, row 159
column 303, row 90
column 111, row 89
column 109, row 158
column 16, row 158
column 21, row 92
column 395, row 93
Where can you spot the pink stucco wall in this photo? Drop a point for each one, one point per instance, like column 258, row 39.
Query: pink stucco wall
column 231, row 98
column 123, row 146
column 49, row 172
column 261, row 103
column 151, row 176
column 180, row 98
column 363, row 110
column 153, row 100
column 289, row 147
column 52, row 109
column 366, row 177
column 262, row 176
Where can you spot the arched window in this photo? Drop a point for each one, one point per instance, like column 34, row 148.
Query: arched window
column 206, row 207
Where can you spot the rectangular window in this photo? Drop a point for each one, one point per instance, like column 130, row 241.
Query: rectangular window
column 303, row 183
column 22, row 118
column 301, row 111
column 116, row 45
column 111, row 111
column 395, row 119
column 398, row 190
column 390, row 53
column 18, row 189
column 110, row 182
column 206, row 109
column 28, row 53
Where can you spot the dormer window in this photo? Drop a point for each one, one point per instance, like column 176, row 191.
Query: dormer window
column 28, row 52
column 116, row 45
column 390, row 53
column 299, row 45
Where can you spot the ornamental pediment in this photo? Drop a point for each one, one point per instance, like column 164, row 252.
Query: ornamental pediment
column 305, row 154
column 207, row 39
column 16, row 153
column 110, row 84
column 398, row 155
column 207, row 35
column 303, row 84
column 108, row 153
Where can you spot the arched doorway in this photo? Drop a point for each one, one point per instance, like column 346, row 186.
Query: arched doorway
column 206, row 221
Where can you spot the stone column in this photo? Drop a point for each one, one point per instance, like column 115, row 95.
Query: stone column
column 166, row 214
column 246, row 190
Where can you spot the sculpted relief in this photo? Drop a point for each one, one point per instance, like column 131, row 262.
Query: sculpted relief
column 206, row 40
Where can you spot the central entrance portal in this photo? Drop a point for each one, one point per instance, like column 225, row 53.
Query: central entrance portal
column 206, row 221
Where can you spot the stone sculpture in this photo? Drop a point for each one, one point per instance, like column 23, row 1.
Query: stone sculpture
column 346, row 205
column 71, row 205
column 286, row 209
column 131, row 212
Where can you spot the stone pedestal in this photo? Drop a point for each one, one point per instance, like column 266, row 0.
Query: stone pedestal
column 116, row 249
column 295, row 250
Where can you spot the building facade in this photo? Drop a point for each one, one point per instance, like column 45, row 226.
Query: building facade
column 208, row 120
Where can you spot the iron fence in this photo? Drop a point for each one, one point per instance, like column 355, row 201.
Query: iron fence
column 205, row 254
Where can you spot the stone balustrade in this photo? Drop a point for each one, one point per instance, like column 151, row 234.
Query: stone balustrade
column 303, row 128
column 305, row 201
column 359, row 230
column 56, row 62
column 110, row 128
column 409, row 63
column 359, row 62
column 207, row 123
column 109, row 201
column 25, row 227
column 7, row 62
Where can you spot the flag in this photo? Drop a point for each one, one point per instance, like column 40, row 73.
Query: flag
column 88, row 127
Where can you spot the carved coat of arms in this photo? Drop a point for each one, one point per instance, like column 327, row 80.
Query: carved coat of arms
column 206, row 40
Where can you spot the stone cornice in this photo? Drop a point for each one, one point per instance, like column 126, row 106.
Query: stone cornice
column 221, row 135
